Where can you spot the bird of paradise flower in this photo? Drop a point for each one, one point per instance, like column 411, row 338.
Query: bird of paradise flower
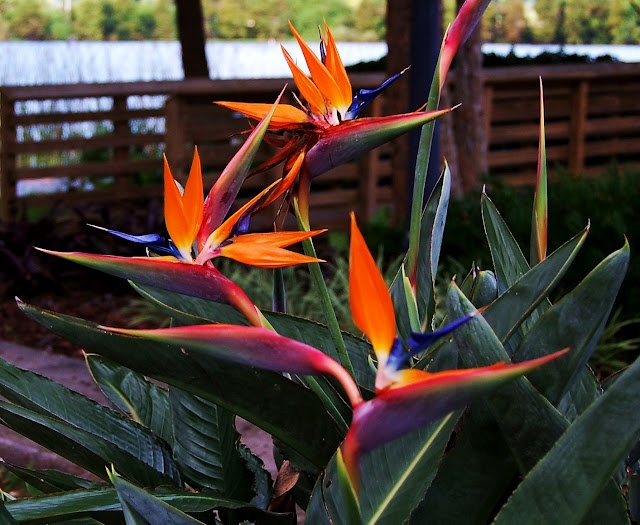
column 323, row 131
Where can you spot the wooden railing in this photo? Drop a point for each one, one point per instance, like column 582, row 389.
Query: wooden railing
column 114, row 151
column 104, row 141
column 592, row 118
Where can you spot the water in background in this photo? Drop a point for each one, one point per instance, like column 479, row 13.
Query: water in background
column 53, row 62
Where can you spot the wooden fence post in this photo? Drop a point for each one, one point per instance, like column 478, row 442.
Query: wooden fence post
column 577, row 126
column 7, row 159
column 121, row 130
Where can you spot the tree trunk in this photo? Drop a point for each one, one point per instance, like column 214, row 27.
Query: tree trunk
column 413, row 40
column 397, row 98
column 469, row 132
column 190, row 23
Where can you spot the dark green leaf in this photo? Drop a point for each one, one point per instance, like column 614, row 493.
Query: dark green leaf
column 103, row 427
column 104, row 504
column 145, row 402
column 5, row 517
column 142, row 508
column 206, row 446
column 395, row 476
column 434, row 219
column 49, row 481
column 511, row 308
column 565, row 484
column 264, row 398
column 577, row 321
column 87, row 450
column 472, row 477
column 529, row 423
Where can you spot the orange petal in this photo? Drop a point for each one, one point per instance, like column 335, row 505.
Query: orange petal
column 174, row 215
column 334, row 64
column 264, row 255
column 287, row 181
column 319, row 73
column 308, row 89
column 277, row 239
column 223, row 231
column 371, row 306
column 193, row 197
column 284, row 116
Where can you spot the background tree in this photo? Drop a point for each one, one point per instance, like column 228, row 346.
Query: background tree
column 59, row 27
column 87, row 20
column 27, row 20
column 586, row 22
column 506, row 21
column 623, row 22
column 369, row 20
column 164, row 12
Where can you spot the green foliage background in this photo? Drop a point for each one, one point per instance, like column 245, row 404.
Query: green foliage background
column 542, row 21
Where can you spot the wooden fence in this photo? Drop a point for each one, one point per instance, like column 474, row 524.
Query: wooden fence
column 104, row 141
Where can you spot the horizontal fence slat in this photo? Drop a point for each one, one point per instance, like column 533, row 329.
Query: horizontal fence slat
column 189, row 118
column 88, row 169
column 110, row 141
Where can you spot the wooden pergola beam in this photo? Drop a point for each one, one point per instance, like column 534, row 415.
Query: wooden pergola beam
column 190, row 22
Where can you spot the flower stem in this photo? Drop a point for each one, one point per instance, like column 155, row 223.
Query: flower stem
column 321, row 285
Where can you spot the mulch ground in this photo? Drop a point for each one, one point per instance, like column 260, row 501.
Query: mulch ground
column 96, row 303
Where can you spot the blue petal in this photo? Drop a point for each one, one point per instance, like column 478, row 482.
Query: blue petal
column 365, row 96
column 153, row 241
column 419, row 341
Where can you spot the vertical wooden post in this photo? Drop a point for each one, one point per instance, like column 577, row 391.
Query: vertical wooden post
column 121, row 152
column 7, row 159
column 577, row 127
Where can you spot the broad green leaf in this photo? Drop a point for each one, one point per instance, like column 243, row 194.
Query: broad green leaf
column 580, row 396
column 133, row 394
column 567, row 481
column 190, row 310
column 434, row 218
column 395, row 476
column 332, row 500
column 85, row 449
column 473, row 475
column 508, row 261
column 264, row 398
column 5, row 517
column 103, row 504
column 206, row 446
column 529, row 422
column 509, row 310
column 577, row 321
column 104, row 429
column 142, row 508
column 49, row 481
